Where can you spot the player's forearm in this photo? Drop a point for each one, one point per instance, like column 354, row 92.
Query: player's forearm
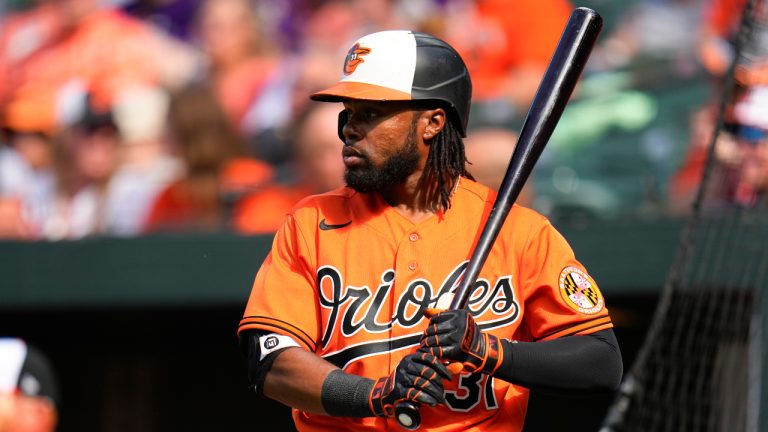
column 296, row 379
column 572, row 363
column 281, row 370
column 302, row 380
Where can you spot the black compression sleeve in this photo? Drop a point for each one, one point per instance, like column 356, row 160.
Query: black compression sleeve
column 346, row 395
column 572, row 363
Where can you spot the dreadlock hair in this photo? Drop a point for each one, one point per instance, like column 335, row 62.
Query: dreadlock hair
column 446, row 162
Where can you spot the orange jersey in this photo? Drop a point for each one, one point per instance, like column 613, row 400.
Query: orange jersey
column 348, row 276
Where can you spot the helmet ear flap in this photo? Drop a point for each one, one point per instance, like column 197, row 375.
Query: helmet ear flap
column 343, row 119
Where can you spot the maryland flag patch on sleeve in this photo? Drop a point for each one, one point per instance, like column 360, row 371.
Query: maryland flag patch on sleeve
column 579, row 291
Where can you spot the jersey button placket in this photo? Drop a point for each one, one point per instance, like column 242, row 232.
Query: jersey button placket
column 413, row 237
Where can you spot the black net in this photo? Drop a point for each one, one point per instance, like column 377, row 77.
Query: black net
column 700, row 368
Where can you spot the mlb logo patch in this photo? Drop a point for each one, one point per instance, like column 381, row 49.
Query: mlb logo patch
column 270, row 342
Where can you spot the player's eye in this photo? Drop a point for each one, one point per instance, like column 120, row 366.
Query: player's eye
column 371, row 114
column 363, row 113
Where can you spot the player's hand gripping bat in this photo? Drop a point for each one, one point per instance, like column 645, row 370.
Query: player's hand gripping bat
column 553, row 93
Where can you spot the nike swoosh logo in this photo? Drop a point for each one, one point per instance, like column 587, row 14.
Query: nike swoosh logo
column 325, row 227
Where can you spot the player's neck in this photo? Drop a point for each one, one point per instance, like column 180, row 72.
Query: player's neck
column 414, row 215
column 412, row 207
column 413, row 200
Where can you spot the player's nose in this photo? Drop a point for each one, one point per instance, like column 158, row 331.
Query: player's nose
column 351, row 131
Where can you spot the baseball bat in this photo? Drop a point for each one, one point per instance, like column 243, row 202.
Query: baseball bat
column 556, row 87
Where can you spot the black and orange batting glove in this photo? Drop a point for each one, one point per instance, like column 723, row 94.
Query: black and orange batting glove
column 417, row 378
column 454, row 335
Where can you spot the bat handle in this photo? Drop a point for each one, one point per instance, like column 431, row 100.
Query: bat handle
column 407, row 415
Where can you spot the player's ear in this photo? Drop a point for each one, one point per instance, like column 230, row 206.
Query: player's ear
column 434, row 122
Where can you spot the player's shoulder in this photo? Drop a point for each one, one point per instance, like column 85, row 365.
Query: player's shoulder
column 520, row 218
column 481, row 194
column 527, row 215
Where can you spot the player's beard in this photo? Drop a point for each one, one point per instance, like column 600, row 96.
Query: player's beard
column 395, row 170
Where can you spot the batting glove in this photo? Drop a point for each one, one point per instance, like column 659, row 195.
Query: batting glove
column 454, row 335
column 417, row 378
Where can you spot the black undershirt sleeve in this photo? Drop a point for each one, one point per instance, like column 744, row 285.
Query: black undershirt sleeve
column 590, row 363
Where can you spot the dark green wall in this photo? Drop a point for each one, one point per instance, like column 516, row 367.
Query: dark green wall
column 624, row 257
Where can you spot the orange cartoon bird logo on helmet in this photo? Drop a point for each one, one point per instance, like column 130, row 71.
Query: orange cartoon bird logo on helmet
column 354, row 58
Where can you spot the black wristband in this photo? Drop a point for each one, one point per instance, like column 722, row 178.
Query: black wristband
column 346, row 395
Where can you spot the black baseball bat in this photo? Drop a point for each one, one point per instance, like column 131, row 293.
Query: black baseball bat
column 556, row 87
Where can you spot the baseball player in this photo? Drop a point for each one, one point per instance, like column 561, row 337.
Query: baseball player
column 344, row 320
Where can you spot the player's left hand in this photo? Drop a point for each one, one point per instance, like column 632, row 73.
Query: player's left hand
column 454, row 335
column 417, row 378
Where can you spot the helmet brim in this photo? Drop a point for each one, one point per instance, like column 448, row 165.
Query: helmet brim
column 346, row 90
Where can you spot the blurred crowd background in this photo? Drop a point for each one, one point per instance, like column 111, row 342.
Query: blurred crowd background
column 131, row 117
column 142, row 118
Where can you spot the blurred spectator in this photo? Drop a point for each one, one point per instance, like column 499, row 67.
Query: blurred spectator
column 718, row 33
column 489, row 151
column 65, row 43
column 174, row 17
column 29, row 394
column 318, row 168
column 336, row 23
column 317, row 149
column 27, row 182
column 146, row 167
column 741, row 156
column 26, row 162
column 751, row 137
column 101, row 173
column 685, row 182
column 507, row 49
column 240, row 57
column 272, row 118
column 217, row 172
column 663, row 30
column 87, row 157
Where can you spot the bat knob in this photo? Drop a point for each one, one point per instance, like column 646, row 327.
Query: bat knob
column 407, row 415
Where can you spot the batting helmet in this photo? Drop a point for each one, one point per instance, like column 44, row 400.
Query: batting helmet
column 401, row 65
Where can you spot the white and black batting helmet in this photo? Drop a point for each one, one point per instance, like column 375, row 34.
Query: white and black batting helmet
column 401, row 65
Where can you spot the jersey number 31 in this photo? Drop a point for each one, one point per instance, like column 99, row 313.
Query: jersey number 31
column 471, row 388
